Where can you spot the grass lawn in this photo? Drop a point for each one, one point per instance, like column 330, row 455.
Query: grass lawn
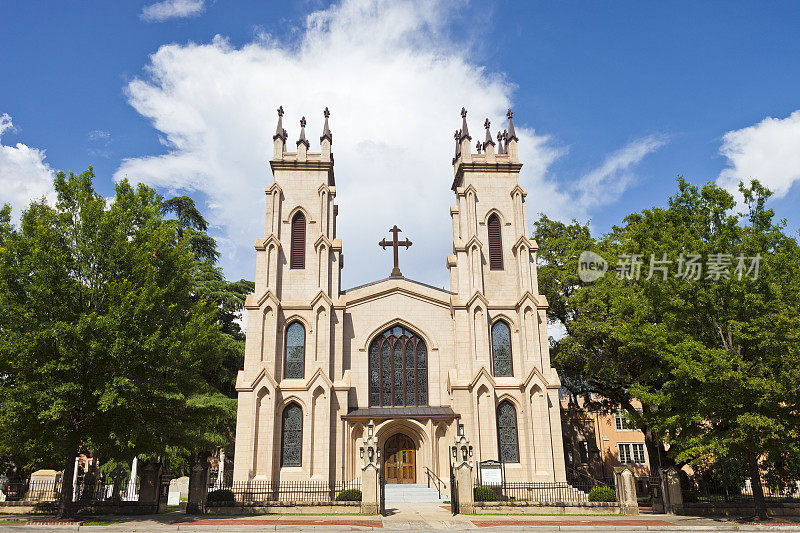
column 101, row 522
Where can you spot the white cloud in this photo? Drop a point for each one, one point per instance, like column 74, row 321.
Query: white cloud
column 169, row 9
column 606, row 183
column 24, row 175
column 768, row 151
column 394, row 86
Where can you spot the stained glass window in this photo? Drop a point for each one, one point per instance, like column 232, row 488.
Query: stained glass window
column 501, row 350
column 295, row 351
column 398, row 369
column 507, row 433
column 292, row 436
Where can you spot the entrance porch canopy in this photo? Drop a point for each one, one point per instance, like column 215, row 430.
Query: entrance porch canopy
column 420, row 412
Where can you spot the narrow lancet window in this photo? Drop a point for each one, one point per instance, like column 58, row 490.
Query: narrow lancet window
column 495, row 243
column 508, row 449
column 298, row 252
column 502, row 365
column 295, row 353
column 292, row 436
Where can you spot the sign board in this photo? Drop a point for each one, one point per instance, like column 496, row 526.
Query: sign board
column 491, row 472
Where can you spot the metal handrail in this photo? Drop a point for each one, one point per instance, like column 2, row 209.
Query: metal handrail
column 439, row 483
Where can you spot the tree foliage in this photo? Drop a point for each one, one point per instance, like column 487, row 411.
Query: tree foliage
column 715, row 360
column 116, row 330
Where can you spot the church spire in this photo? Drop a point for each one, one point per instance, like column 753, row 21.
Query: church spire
column 464, row 128
column 303, row 139
column 512, row 135
column 500, row 148
column 488, row 140
column 326, row 131
column 280, row 133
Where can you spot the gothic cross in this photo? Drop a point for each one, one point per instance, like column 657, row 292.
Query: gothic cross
column 394, row 243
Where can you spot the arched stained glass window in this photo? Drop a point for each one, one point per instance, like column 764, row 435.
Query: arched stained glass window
column 295, row 353
column 398, row 369
column 508, row 449
column 495, row 243
column 292, row 435
column 501, row 350
column 298, row 251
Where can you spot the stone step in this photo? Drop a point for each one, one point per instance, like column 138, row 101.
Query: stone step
column 416, row 493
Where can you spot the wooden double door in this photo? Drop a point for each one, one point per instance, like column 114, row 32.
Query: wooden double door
column 399, row 465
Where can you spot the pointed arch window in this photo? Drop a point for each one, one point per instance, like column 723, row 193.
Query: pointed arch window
column 298, row 248
column 495, row 243
column 502, row 365
column 398, row 369
column 507, row 445
column 292, row 435
column 295, row 351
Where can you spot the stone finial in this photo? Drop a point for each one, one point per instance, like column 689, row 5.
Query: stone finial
column 512, row 135
column 478, row 146
column 464, row 128
column 280, row 133
column 326, row 131
column 303, row 139
column 457, row 137
column 488, row 141
column 500, row 147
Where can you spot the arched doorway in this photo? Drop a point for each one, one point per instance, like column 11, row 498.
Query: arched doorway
column 399, row 462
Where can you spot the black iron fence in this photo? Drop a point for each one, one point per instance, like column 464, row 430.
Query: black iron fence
column 556, row 492
column 711, row 492
column 46, row 490
column 259, row 492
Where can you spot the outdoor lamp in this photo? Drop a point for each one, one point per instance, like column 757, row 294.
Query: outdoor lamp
column 369, row 430
column 455, row 452
column 464, row 452
column 371, row 452
column 362, row 452
column 460, row 430
column 379, row 454
column 470, row 451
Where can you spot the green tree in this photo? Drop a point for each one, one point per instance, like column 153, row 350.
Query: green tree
column 103, row 344
column 714, row 360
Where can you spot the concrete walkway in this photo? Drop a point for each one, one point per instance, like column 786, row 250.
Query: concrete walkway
column 405, row 517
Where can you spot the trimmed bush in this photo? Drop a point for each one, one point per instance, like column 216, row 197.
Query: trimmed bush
column 485, row 494
column 602, row 494
column 220, row 495
column 349, row 495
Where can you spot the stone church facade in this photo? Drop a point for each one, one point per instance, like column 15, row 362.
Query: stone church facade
column 405, row 360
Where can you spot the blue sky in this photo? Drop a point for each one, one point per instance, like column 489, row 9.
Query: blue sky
column 614, row 101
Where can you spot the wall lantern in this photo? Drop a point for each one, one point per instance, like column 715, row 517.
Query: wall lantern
column 379, row 454
column 460, row 430
column 371, row 453
column 361, row 451
column 470, row 451
column 455, row 452
column 464, row 452
column 370, row 427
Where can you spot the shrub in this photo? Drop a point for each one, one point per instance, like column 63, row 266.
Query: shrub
column 485, row 494
column 602, row 494
column 349, row 495
column 220, row 495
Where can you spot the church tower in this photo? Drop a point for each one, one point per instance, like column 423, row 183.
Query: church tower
column 497, row 301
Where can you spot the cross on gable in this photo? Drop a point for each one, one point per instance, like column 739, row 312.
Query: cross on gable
column 395, row 244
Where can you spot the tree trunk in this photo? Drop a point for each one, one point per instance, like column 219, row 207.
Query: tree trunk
column 755, row 483
column 653, row 451
column 65, row 506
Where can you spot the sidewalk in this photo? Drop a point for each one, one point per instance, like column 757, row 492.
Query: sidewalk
column 402, row 517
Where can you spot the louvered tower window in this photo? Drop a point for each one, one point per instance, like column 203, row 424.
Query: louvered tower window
column 495, row 243
column 508, row 447
column 292, row 436
column 298, row 253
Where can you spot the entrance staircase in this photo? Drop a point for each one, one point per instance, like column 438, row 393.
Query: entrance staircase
column 407, row 493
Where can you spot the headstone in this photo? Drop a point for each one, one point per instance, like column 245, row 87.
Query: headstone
column 174, row 498
column 672, row 491
column 149, row 484
column 180, row 485
column 43, row 486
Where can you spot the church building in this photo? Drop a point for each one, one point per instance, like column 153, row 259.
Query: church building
column 405, row 361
